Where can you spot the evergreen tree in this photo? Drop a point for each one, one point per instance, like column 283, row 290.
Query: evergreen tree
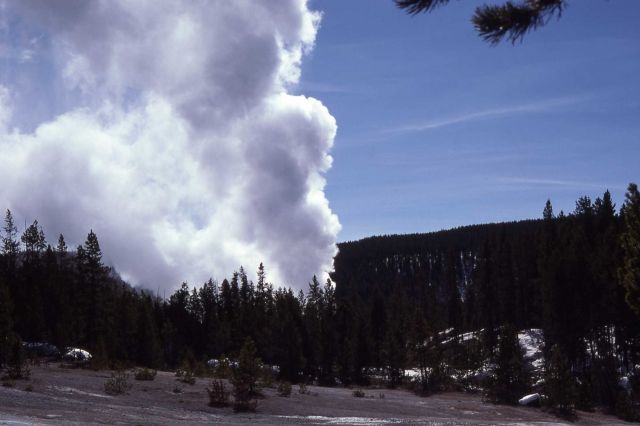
column 6, row 324
column 93, row 257
column 511, row 378
column 395, row 340
column 328, row 335
column 29, row 295
column 149, row 352
column 34, row 241
column 287, row 342
column 245, row 377
column 559, row 385
column 433, row 374
column 313, row 329
column 547, row 213
column 10, row 244
column 210, row 322
column 453, row 299
column 61, row 248
column 631, row 246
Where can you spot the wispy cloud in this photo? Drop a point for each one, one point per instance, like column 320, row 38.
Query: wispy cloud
column 486, row 114
column 574, row 184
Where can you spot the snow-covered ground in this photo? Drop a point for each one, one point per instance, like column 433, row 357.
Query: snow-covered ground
column 532, row 341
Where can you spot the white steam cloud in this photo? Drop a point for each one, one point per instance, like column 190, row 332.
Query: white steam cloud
column 172, row 135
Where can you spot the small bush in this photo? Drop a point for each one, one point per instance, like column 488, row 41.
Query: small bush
column 17, row 365
column 358, row 393
column 244, row 400
column 284, row 389
column 381, row 395
column 18, row 372
column 222, row 368
column 188, row 377
column 29, row 388
column 624, row 408
column 302, row 389
column 145, row 374
column 267, row 376
column 218, row 395
column 242, row 406
column 200, row 370
column 118, row 383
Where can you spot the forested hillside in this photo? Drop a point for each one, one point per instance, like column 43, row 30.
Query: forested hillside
column 393, row 299
column 561, row 274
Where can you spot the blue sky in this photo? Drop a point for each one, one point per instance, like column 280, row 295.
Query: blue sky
column 438, row 129
column 144, row 118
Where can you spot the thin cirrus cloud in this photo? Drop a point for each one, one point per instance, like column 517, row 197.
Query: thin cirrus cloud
column 491, row 113
column 541, row 182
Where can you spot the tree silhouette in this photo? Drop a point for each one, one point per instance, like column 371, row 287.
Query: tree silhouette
column 631, row 247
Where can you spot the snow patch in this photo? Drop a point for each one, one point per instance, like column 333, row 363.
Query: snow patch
column 76, row 354
column 66, row 389
column 529, row 399
column 532, row 341
column 345, row 420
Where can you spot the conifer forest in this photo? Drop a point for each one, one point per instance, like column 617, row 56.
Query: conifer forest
column 439, row 304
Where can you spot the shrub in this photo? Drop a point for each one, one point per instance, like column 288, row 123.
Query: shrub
column 302, row 389
column 188, row 377
column 17, row 366
column 284, row 389
column 381, row 395
column 243, row 401
column 218, row 396
column 222, row 368
column 267, row 376
column 200, row 370
column 624, row 407
column 145, row 374
column 358, row 393
column 118, row 383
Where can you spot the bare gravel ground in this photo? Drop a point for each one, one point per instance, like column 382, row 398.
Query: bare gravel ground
column 73, row 397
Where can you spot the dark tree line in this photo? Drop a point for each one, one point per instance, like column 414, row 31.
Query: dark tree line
column 71, row 299
column 575, row 276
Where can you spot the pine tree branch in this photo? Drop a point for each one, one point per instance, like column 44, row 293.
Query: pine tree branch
column 495, row 22
column 512, row 21
column 414, row 7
